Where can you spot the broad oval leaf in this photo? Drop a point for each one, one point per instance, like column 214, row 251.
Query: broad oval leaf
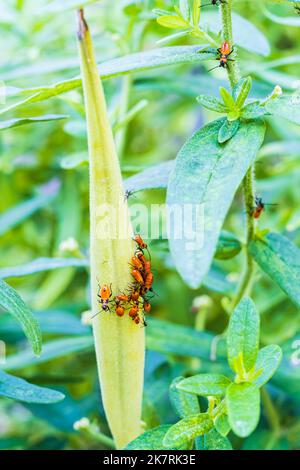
column 11, row 301
column 187, row 429
column 205, row 385
column 278, row 257
column 268, row 360
column 185, row 404
column 243, row 405
column 204, row 181
column 19, row 389
column 243, row 335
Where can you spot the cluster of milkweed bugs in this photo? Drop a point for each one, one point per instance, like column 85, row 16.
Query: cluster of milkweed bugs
column 138, row 289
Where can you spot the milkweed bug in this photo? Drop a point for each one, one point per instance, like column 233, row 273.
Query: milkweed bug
column 147, row 306
column 224, row 52
column 141, row 244
column 148, row 281
column 259, row 207
column 133, row 311
column 122, row 298
column 213, row 2
column 104, row 295
column 137, row 263
column 137, row 276
column 134, row 296
column 120, row 311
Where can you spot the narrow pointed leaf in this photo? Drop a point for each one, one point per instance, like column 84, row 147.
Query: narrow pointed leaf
column 278, row 257
column 20, row 390
column 30, row 120
column 14, row 304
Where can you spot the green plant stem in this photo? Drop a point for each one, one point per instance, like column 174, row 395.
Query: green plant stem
column 233, row 67
column 101, row 438
column 272, row 417
column 248, row 183
column 247, row 280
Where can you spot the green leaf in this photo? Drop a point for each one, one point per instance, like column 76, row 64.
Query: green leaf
column 243, row 90
column 214, row 441
column 268, row 360
column 14, row 304
column 243, row 335
column 206, row 177
column 205, row 385
column 184, row 8
column 227, row 98
column 253, row 110
column 150, row 440
column 171, row 21
column 196, row 12
column 185, row 404
column 29, row 120
column 278, row 257
column 243, row 405
column 212, row 103
column 187, row 429
column 19, row 389
column 228, row 130
column 51, row 350
column 244, row 32
column 154, row 177
column 137, row 62
column 41, row 265
column 164, row 337
column 22, row 211
column 287, row 107
column 284, row 20
column 228, row 246
column 222, row 424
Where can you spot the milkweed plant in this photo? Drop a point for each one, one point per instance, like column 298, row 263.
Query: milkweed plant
column 178, row 104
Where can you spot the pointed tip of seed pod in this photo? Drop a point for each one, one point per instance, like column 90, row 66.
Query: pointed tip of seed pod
column 82, row 25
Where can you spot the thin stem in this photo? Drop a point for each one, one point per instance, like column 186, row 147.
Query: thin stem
column 248, row 183
column 233, row 67
column 247, row 280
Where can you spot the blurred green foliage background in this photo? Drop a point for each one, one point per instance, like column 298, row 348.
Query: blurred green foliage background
column 44, row 203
